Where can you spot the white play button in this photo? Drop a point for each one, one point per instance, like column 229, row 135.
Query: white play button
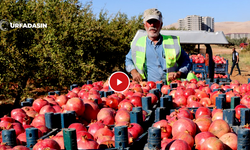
column 119, row 82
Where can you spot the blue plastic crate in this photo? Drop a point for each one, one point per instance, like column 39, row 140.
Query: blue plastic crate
column 221, row 68
column 199, row 68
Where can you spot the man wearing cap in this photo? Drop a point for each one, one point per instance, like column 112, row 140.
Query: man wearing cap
column 156, row 57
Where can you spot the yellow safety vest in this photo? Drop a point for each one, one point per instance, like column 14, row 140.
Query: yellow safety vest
column 172, row 49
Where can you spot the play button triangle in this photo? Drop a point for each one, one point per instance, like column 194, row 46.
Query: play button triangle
column 119, row 82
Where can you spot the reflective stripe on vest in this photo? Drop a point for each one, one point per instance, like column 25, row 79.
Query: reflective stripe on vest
column 171, row 46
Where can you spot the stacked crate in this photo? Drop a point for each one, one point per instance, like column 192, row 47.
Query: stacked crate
column 221, row 69
column 198, row 66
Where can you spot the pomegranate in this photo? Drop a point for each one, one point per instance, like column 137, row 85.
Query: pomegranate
column 75, row 104
column 61, row 100
column 245, row 100
column 194, row 104
column 71, row 94
column 191, row 85
column 179, row 145
column 80, row 134
column 93, row 127
column 16, row 112
column 184, row 124
column 229, row 95
column 20, row 147
column 219, row 127
column 202, row 111
column 135, row 129
column 18, row 128
column 78, row 127
column 22, row 118
column 126, row 104
column 59, row 139
column 86, row 143
column 203, row 123
column 201, row 137
column 122, row 115
column 185, row 136
column 206, row 102
column 38, row 120
column 217, row 115
column 164, row 89
column 91, row 110
column 230, row 140
column 43, row 129
column 188, row 92
column 46, row 109
column 106, row 115
column 212, row 143
column 103, row 132
column 112, row 102
column 154, row 98
column 151, row 84
column 180, row 101
column 192, row 98
column 136, row 101
column 38, row 104
column 237, row 110
column 166, row 129
column 46, row 143
column 5, row 118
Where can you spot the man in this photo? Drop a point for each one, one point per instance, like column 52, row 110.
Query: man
column 235, row 60
column 156, row 57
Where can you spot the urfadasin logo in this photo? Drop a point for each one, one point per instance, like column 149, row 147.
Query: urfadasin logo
column 4, row 24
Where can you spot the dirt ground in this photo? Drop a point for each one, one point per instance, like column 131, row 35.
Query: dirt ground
column 245, row 72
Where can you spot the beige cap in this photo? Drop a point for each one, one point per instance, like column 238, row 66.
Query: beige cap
column 152, row 14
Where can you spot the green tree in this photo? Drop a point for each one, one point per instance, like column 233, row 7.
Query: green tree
column 75, row 47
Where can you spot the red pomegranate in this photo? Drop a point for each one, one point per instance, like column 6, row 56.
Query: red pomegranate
column 122, row 115
column 93, row 127
column 86, row 143
column 78, row 127
column 202, row 111
column 135, row 129
column 212, row 143
column 230, row 140
column 203, row 123
column 185, row 136
column 179, row 145
column 38, row 104
column 201, row 137
column 166, row 129
column 219, row 127
column 184, row 124
column 46, row 143
column 75, row 104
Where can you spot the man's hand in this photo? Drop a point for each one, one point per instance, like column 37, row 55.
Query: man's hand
column 136, row 76
column 174, row 75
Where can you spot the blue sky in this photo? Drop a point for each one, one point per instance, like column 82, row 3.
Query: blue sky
column 220, row 10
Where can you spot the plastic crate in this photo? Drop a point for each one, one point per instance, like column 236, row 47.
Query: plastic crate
column 218, row 80
column 221, row 68
column 199, row 68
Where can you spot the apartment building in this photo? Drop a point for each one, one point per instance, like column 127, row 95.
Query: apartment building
column 238, row 35
column 196, row 23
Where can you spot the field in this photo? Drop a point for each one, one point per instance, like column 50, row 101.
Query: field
column 244, row 63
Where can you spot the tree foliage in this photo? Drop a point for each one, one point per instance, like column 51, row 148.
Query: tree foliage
column 76, row 46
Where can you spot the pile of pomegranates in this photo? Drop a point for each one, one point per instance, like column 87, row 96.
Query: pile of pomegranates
column 96, row 115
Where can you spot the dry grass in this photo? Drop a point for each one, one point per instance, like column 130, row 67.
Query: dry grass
column 244, row 58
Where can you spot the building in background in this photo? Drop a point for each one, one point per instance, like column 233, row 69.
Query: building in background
column 238, row 35
column 196, row 23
